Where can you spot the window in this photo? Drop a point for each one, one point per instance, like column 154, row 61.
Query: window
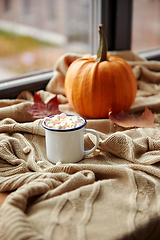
column 70, row 26
column 116, row 16
column 35, row 38
column 145, row 24
column 36, row 33
column 146, row 28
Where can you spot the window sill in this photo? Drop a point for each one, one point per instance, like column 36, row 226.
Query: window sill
column 153, row 54
column 11, row 88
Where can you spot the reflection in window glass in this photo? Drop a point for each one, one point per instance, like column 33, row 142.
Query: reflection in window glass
column 145, row 25
column 35, row 38
column 51, row 9
column 6, row 5
column 27, row 6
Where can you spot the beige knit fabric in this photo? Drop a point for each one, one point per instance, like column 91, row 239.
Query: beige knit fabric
column 115, row 195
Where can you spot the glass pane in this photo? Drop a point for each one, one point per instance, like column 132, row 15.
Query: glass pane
column 35, row 33
column 145, row 25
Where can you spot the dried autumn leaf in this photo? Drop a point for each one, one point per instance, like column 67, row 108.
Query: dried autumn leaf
column 40, row 109
column 128, row 121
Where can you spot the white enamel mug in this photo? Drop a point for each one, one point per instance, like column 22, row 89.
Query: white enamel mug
column 67, row 145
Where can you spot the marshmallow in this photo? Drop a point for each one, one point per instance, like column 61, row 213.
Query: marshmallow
column 40, row 163
column 62, row 121
column 58, row 163
column 96, row 152
column 26, row 149
column 63, row 115
column 49, row 124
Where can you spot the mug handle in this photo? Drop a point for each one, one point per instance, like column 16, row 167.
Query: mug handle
column 97, row 140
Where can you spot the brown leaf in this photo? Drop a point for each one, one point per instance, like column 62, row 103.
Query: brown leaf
column 40, row 109
column 128, row 121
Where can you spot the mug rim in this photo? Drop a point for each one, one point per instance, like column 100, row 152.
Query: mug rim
column 64, row 130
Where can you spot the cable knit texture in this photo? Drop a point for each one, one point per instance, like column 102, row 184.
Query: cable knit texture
column 115, row 195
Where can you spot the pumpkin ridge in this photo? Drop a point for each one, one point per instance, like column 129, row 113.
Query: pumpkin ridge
column 130, row 76
column 124, row 83
column 87, row 93
column 93, row 100
column 115, row 91
column 84, row 94
column 106, row 94
column 80, row 86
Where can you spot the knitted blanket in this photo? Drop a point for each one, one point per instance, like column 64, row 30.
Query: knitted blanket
column 115, row 195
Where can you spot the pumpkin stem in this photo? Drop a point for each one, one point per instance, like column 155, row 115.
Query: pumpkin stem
column 103, row 46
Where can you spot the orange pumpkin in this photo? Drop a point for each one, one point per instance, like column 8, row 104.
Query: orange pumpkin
column 99, row 84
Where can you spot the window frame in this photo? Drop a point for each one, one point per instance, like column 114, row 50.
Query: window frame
column 35, row 81
column 116, row 16
column 118, row 31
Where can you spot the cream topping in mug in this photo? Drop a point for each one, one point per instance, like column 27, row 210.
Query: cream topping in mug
column 63, row 121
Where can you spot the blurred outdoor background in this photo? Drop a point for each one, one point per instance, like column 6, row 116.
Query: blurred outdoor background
column 35, row 33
